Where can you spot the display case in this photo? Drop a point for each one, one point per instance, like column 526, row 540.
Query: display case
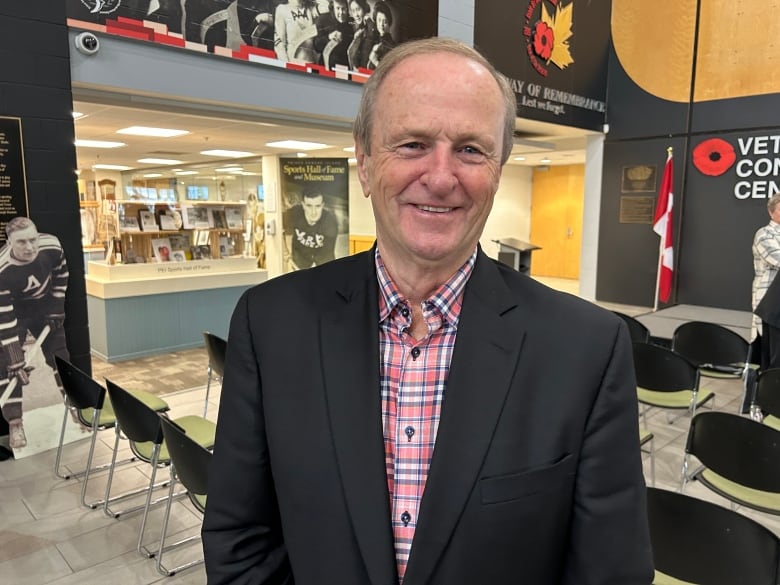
column 162, row 231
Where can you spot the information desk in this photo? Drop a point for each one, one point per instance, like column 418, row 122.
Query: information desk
column 144, row 309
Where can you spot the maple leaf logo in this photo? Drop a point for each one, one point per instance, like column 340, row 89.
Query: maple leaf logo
column 560, row 25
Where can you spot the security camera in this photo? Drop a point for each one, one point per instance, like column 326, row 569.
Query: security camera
column 87, row 43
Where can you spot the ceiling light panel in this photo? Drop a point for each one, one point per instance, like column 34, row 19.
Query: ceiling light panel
column 81, row 143
column 160, row 161
column 151, row 131
column 296, row 145
column 226, row 153
column 111, row 167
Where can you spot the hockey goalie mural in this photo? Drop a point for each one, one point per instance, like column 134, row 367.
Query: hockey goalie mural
column 33, row 286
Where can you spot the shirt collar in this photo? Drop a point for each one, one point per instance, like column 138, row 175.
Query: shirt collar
column 446, row 299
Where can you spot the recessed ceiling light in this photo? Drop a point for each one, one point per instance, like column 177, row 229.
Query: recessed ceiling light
column 519, row 158
column 349, row 149
column 152, row 175
column 150, row 131
column 77, row 115
column 545, row 160
column 111, row 167
column 226, row 153
column 296, row 145
column 98, row 144
column 301, row 154
column 160, row 161
column 186, row 172
column 227, row 169
column 352, row 161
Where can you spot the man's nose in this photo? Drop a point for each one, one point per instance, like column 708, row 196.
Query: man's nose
column 439, row 176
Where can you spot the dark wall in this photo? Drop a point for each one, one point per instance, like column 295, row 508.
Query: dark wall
column 35, row 86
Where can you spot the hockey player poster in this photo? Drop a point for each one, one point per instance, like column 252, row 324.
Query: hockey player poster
column 33, row 283
column 315, row 196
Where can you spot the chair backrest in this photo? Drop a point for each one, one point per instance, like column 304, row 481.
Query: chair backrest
column 663, row 370
column 216, row 348
column 190, row 460
column 709, row 343
column 636, row 328
column 136, row 420
column 81, row 389
column 767, row 392
column 701, row 542
column 735, row 447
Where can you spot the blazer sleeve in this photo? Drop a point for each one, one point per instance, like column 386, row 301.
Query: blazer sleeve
column 242, row 536
column 609, row 534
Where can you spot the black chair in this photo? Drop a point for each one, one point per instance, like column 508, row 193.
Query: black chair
column 701, row 542
column 86, row 399
column 215, row 348
column 716, row 350
column 636, row 329
column 765, row 405
column 189, row 466
column 141, row 425
column 665, row 379
column 739, row 457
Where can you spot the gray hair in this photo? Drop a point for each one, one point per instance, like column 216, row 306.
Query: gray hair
column 361, row 129
column 772, row 202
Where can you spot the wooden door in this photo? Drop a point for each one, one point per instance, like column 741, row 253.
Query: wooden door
column 556, row 220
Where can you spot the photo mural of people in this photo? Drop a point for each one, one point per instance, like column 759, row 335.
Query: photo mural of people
column 315, row 195
column 33, row 284
column 354, row 34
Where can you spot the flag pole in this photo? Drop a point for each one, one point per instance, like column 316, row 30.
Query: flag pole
column 660, row 253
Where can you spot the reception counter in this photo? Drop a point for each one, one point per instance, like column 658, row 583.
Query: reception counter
column 145, row 309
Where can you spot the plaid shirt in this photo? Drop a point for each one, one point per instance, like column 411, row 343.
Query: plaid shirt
column 413, row 378
column 766, row 262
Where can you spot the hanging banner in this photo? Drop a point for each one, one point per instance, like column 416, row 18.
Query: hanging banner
column 315, row 199
column 555, row 54
column 344, row 39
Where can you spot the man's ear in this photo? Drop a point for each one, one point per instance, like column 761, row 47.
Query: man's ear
column 363, row 162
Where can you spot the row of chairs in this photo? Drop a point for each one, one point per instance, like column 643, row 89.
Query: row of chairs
column 183, row 444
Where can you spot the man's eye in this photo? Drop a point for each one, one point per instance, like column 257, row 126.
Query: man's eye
column 471, row 150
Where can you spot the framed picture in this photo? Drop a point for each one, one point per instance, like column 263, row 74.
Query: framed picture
column 234, row 218
column 161, row 247
column 205, row 252
column 638, row 178
column 195, row 217
column 148, row 223
column 179, row 242
column 128, row 223
column 178, row 256
column 218, row 220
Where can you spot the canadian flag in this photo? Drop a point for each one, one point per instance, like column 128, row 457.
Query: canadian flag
column 662, row 225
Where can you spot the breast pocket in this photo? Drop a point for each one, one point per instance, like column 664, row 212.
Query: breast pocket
column 504, row 488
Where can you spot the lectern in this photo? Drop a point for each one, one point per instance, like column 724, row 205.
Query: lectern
column 516, row 253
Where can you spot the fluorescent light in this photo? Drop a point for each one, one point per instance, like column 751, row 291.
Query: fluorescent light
column 186, row 172
column 519, row 158
column 150, row 131
column 349, row 149
column 111, row 167
column 352, row 161
column 98, row 144
column 226, row 153
column 77, row 115
column 301, row 154
column 544, row 161
column 152, row 175
column 296, row 145
column 160, row 161
column 230, row 169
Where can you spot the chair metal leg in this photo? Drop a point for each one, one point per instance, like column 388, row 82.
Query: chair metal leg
column 652, row 461
column 95, row 426
column 163, row 548
column 59, row 446
column 208, row 388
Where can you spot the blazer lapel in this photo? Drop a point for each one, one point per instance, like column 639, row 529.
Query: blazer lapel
column 483, row 364
column 350, row 349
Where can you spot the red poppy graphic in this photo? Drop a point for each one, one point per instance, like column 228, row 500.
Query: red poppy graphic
column 544, row 39
column 714, row 157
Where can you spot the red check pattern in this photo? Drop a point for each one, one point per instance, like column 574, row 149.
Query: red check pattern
column 413, row 379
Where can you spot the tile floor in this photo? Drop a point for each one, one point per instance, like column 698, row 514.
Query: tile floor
column 46, row 537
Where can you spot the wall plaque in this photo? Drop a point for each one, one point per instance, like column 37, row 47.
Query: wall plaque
column 637, row 208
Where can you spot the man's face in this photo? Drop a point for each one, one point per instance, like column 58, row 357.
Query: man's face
column 381, row 23
column 775, row 214
column 24, row 244
column 435, row 159
column 312, row 208
column 340, row 11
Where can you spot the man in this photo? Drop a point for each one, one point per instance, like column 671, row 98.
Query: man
column 452, row 422
column 310, row 232
column 33, row 281
column 766, row 262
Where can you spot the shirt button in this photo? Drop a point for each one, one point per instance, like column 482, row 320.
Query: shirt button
column 409, row 431
column 415, row 353
column 406, row 517
column 405, row 312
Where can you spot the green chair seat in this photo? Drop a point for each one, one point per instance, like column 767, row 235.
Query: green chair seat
column 758, row 499
column 664, row 579
column 107, row 416
column 772, row 421
column 201, row 430
column 199, row 501
column 644, row 436
column 677, row 399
